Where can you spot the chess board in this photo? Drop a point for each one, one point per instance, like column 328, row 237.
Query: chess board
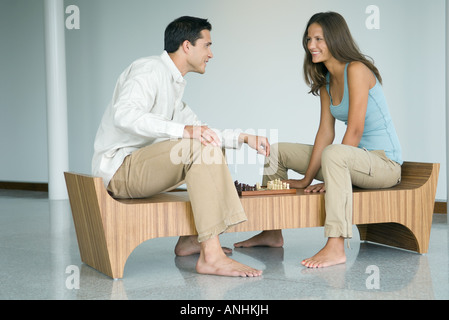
column 266, row 192
column 244, row 190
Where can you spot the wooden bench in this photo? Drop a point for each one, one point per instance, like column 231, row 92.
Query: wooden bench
column 108, row 230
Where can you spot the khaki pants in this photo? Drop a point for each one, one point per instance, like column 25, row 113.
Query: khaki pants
column 166, row 165
column 342, row 167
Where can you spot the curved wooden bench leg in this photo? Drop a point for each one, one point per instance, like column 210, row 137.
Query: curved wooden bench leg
column 88, row 223
column 120, row 246
column 109, row 230
column 117, row 266
column 400, row 216
column 391, row 234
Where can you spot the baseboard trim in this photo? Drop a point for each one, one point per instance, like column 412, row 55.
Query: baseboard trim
column 25, row 186
column 440, row 206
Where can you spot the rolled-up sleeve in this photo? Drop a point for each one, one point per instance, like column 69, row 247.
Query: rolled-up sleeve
column 229, row 138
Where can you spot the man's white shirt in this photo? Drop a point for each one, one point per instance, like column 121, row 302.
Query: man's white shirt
column 146, row 108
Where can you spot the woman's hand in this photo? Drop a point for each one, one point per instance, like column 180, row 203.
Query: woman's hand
column 320, row 187
column 297, row 184
column 304, row 184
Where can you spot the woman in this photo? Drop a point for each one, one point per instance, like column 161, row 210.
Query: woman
column 369, row 156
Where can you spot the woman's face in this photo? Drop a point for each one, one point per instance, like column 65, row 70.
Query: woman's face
column 316, row 44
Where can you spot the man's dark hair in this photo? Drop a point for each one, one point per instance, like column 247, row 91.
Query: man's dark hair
column 182, row 29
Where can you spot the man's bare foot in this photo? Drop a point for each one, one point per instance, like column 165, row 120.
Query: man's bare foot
column 332, row 254
column 189, row 245
column 213, row 261
column 272, row 238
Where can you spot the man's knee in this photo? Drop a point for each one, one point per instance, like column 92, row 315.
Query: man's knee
column 191, row 151
column 212, row 155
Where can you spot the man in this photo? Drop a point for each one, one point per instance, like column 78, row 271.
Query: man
column 149, row 141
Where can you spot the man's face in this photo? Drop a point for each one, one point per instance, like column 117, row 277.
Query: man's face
column 200, row 53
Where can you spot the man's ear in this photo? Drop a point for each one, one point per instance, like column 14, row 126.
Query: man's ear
column 186, row 46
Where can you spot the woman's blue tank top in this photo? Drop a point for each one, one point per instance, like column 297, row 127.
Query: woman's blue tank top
column 379, row 132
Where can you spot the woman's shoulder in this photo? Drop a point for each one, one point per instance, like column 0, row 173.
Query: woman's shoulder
column 357, row 67
column 358, row 71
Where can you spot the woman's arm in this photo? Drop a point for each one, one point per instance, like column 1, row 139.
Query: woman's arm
column 324, row 137
column 360, row 81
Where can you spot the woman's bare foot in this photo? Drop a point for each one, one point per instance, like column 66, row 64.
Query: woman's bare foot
column 189, row 245
column 213, row 261
column 332, row 254
column 272, row 238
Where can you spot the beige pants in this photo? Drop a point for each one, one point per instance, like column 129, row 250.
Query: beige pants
column 166, row 165
column 342, row 167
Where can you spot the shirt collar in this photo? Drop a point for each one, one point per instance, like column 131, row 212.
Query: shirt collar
column 177, row 76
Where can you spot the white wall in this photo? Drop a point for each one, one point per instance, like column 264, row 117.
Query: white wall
column 23, row 120
column 254, row 81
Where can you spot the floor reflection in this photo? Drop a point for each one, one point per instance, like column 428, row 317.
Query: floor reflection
column 38, row 243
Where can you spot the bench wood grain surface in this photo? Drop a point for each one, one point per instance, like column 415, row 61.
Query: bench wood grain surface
column 108, row 230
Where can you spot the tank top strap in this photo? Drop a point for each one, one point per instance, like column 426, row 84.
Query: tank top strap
column 345, row 90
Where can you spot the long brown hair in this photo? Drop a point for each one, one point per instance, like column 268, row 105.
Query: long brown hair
column 340, row 44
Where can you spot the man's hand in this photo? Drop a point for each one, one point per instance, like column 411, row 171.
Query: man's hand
column 202, row 133
column 258, row 143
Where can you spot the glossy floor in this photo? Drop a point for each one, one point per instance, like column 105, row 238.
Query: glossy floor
column 39, row 259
